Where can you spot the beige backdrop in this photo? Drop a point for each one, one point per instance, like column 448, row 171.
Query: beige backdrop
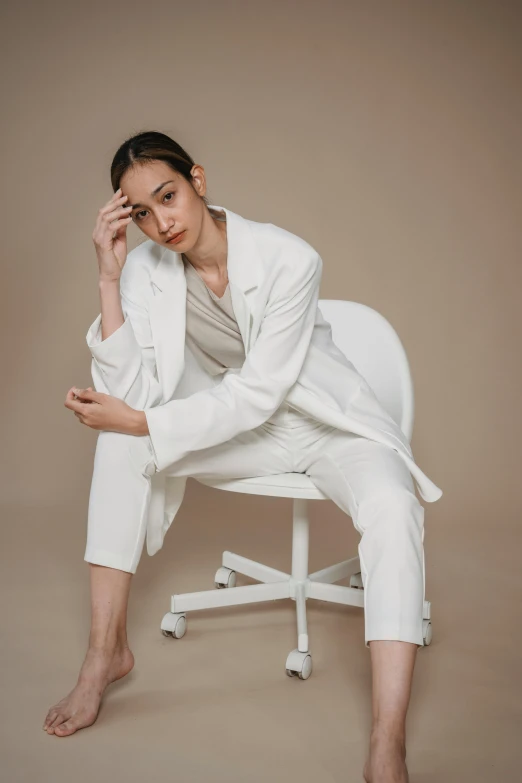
column 387, row 134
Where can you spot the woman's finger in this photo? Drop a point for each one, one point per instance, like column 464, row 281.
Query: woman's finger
column 74, row 405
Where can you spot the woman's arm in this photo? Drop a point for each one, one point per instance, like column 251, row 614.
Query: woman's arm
column 123, row 362
column 111, row 312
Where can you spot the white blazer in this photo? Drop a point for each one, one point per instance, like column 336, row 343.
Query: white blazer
column 274, row 279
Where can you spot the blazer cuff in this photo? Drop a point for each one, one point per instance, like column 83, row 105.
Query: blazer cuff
column 156, row 426
column 118, row 356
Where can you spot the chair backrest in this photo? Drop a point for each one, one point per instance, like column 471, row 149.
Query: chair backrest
column 373, row 346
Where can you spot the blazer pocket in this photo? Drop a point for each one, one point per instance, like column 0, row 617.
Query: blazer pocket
column 140, row 453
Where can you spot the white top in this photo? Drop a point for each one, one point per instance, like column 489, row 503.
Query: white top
column 212, row 332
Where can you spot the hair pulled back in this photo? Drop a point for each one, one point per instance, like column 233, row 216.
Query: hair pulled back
column 148, row 146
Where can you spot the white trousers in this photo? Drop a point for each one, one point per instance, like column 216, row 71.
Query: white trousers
column 366, row 479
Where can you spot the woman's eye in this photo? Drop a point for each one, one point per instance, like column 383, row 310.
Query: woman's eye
column 170, row 193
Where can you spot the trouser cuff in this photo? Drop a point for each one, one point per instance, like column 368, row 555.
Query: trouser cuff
column 110, row 559
column 392, row 633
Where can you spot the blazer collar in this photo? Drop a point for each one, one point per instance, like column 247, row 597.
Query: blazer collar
column 243, row 260
column 167, row 306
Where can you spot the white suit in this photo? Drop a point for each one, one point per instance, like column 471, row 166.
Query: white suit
column 274, row 279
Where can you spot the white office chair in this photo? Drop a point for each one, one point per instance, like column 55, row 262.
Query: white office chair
column 371, row 343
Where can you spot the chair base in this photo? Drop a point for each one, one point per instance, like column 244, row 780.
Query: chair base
column 298, row 585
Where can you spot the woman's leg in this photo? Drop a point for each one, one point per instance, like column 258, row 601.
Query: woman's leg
column 115, row 536
column 372, row 484
column 108, row 656
column 392, row 672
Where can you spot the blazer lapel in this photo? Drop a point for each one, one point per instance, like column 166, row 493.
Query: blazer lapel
column 245, row 273
column 167, row 311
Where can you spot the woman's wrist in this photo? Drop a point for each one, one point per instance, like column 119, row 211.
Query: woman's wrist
column 139, row 423
column 108, row 282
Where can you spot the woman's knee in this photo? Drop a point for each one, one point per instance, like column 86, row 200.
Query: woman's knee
column 394, row 512
column 114, row 441
column 114, row 450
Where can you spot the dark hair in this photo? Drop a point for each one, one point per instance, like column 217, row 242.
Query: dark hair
column 146, row 147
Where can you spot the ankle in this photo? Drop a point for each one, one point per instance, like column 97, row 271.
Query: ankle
column 390, row 730
column 104, row 644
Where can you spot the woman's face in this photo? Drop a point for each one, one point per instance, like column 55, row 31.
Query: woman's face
column 164, row 203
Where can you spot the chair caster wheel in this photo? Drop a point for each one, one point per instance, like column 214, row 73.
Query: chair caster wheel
column 299, row 664
column 174, row 624
column 225, row 577
column 427, row 632
column 356, row 581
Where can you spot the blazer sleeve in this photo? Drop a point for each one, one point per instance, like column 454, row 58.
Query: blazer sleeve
column 124, row 365
column 246, row 399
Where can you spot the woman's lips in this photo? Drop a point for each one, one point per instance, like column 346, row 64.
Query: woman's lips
column 176, row 238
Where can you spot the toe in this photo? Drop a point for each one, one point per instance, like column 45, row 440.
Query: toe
column 53, row 713
column 59, row 718
column 65, row 728
column 49, row 717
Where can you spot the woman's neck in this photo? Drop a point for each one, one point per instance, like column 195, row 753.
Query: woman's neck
column 209, row 269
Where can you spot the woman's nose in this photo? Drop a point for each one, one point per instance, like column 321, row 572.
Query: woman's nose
column 163, row 225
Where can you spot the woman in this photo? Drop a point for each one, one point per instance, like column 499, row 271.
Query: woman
column 213, row 359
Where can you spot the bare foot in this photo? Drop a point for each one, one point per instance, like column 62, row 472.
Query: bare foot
column 386, row 762
column 80, row 707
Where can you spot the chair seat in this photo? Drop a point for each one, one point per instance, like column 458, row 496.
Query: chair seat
column 283, row 485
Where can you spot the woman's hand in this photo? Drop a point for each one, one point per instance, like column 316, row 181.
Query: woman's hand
column 110, row 237
column 104, row 412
